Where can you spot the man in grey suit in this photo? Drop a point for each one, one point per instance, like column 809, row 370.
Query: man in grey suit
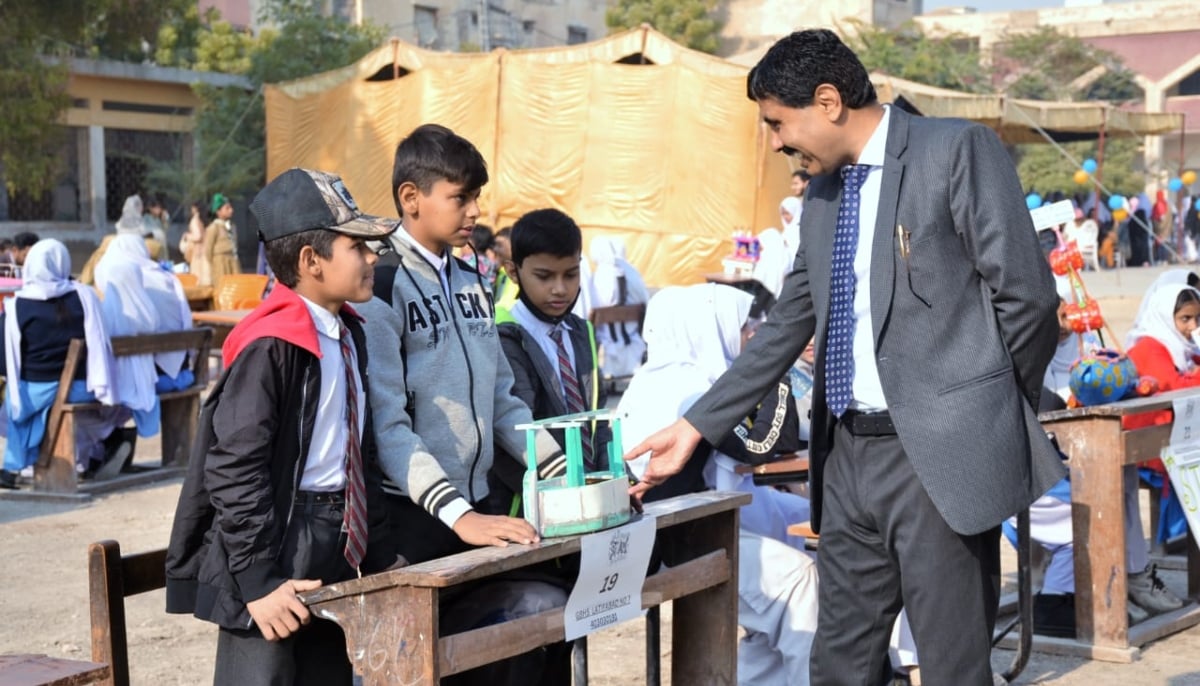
column 933, row 312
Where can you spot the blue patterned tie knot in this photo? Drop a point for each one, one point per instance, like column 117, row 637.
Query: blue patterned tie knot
column 839, row 341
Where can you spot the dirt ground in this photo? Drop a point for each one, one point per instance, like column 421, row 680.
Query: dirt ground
column 44, row 606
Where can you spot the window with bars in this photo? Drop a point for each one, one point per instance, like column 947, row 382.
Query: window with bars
column 62, row 202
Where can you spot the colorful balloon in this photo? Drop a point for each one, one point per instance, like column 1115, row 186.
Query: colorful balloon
column 1081, row 177
column 1188, row 177
column 1120, row 214
column 1033, row 201
column 1175, row 184
column 1089, row 165
column 1116, row 202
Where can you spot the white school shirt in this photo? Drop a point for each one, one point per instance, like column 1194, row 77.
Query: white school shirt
column 867, row 388
column 325, row 468
column 541, row 333
column 438, row 261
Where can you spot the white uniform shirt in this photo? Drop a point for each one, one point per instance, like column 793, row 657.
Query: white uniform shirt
column 867, row 388
column 541, row 333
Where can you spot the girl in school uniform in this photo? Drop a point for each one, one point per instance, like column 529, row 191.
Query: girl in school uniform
column 169, row 305
column 616, row 282
column 39, row 322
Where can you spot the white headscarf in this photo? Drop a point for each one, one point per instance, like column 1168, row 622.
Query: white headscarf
column 164, row 291
column 774, row 262
column 1158, row 322
column 608, row 254
column 47, row 275
column 1167, row 278
column 129, row 312
column 791, row 229
column 693, row 333
column 131, row 217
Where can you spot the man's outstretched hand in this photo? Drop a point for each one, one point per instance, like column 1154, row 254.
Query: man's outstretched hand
column 669, row 451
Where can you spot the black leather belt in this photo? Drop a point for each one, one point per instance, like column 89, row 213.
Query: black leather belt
column 868, row 423
column 321, row 497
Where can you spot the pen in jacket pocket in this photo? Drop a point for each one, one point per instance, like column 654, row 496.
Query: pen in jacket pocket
column 902, row 237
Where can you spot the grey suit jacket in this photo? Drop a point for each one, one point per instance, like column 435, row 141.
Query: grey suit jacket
column 964, row 327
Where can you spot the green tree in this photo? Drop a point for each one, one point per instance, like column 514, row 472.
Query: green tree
column 950, row 61
column 1044, row 170
column 230, row 132
column 1049, row 65
column 688, row 22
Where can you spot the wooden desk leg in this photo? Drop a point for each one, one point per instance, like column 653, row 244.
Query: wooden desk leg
column 1193, row 566
column 1097, row 513
column 183, row 416
column 704, row 624
column 55, row 470
column 391, row 635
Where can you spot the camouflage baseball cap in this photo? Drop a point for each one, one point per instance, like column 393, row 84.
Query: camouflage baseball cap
column 303, row 199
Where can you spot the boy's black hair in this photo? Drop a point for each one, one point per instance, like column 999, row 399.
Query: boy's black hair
column 506, row 232
column 5, row 243
column 482, row 239
column 1193, row 279
column 25, row 240
column 802, row 174
column 283, row 254
column 432, row 153
column 793, row 68
column 547, row 231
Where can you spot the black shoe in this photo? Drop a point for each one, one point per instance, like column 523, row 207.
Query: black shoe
column 8, row 479
column 1054, row 615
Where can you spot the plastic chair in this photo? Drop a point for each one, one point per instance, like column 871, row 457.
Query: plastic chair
column 1087, row 238
column 188, row 280
column 239, row 292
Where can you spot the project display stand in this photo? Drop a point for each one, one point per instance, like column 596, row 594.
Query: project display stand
column 581, row 501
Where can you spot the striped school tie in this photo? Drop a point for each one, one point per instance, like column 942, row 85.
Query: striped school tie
column 572, row 392
column 355, row 521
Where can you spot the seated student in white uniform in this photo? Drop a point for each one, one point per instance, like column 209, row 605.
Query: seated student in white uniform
column 693, row 334
column 1050, row 515
column 616, row 282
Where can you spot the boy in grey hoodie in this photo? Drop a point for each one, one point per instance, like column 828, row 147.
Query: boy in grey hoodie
column 441, row 388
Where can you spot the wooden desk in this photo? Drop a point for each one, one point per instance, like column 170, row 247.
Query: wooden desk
column 199, row 297
column 391, row 619
column 785, row 470
column 42, row 670
column 221, row 321
column 1098, row 449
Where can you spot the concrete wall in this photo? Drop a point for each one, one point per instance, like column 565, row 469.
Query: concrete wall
column 751, row 24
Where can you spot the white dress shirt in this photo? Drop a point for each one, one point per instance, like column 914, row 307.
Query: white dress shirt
column 541, row 333
column 325, row 468
column 438, row 261
column 867, row 388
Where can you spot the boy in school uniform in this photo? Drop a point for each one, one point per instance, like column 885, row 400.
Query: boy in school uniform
column 552, row 351
column 441, row 395
column 283, row 492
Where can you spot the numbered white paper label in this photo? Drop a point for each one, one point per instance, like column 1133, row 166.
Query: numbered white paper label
column 1186, row 428
column 612, row 571
column 1183, row 468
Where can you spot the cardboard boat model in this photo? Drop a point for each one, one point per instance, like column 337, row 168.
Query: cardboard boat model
column 581, row 501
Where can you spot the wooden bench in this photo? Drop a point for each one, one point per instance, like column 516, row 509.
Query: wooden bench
column 618, row 314
column 786, row 469
column 43, row 670
column 111, row 579
column 1098, row 448
column 54, row 471
column 391, row 619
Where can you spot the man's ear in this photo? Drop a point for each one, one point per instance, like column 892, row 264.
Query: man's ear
column 407, row 196
column 828, row 101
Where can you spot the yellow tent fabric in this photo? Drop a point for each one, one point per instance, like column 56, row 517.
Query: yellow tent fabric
column 669, row 155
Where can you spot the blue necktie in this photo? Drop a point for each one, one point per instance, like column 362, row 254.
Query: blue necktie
column 839, row 341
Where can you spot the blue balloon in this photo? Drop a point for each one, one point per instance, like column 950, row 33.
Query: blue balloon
column 1089, row 165
column 1198, row 204
column 1033, row 201
column 1116, row 202
column 1175, row 184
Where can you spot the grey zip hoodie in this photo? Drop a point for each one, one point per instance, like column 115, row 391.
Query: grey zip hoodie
column 441, row 387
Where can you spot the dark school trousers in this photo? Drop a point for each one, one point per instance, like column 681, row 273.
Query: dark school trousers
column 316, row 654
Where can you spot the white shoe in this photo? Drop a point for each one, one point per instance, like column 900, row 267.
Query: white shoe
column 1148, row 592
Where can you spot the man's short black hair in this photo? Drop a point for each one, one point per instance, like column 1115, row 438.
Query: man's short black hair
column 432, row 153
column 547, row 231
column 802, row 174
column 793, row 68
column 25, row 240
column 283, row 254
